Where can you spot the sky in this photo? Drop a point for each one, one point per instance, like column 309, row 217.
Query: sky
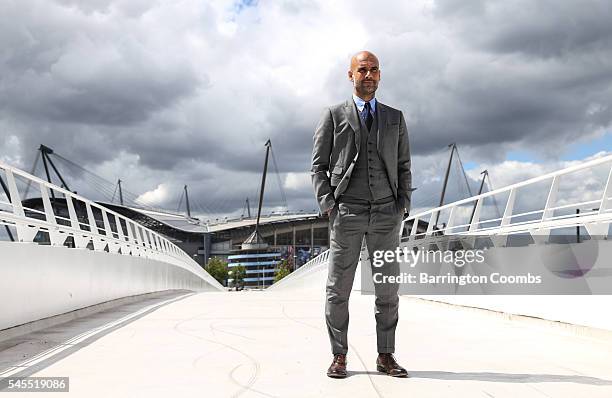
column 166, row 93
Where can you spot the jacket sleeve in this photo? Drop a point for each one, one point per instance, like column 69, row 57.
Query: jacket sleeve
column 404, row 175
column 321, row 152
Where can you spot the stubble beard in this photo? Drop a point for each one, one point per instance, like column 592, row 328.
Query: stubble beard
column 365, row 90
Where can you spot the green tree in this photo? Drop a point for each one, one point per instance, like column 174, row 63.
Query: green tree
column 217, row 268
column 238, row 274
column 282, row 270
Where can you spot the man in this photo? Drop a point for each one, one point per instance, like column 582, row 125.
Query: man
column 362, row 181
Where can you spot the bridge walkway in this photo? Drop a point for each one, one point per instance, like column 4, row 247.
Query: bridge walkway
column 274, row 344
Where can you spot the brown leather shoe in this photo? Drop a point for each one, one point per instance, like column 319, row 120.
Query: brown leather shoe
column 386, row 363
column 337, row 369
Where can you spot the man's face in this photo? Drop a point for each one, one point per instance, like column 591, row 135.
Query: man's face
column 365, row 75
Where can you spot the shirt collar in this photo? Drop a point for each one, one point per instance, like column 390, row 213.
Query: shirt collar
column 361, row 103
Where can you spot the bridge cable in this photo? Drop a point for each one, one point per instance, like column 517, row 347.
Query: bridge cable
column 278, row 179
column 104, row 185
column 490, row 185
column 464, row 175
column 114, row 192
column 180, row 201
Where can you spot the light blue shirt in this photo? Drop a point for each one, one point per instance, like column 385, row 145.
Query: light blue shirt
column 361, row 103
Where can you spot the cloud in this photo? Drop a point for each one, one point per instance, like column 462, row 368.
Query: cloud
column 173, row 93
column 295, row 181
column 155, row 197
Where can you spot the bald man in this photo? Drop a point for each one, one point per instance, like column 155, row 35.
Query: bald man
column 362, row 181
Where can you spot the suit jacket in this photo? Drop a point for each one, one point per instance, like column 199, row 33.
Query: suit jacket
column 336, row 147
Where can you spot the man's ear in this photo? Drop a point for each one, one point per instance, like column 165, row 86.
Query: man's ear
column 350, row 75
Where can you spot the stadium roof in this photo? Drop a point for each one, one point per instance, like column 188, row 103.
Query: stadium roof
column 194, row 225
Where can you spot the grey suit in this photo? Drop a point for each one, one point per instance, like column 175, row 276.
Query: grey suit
column 338, row 145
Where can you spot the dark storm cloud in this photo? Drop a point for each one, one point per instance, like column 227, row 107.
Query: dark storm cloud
column 533, row 28
column 86, row 78
column 505, row 74
column 62, row 69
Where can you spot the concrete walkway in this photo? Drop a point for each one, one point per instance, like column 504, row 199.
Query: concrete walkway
column 274, row 344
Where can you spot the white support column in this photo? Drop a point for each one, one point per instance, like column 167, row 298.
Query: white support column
column 507, row 217
column 501, row 238
column 74, row 221
column 476, row 217
column 540, row 235
column 415, row 228
column 107, row 229
column 15, row 197
column 468, row 241
column 142, row 251
column 98, row 242
column 551, row 200
column 605, row 201
column 142, row 245
column 451, row 219
column 156, row 245
column 145, row 238
column 25, row 233
column 133, row 243
column 430, row 226
column 125, row 246
column 602, row 229
column 148, row 242
column 149, row 239
column 56, row 237
column 80, row 241
column 93, row 227
column 113, row 246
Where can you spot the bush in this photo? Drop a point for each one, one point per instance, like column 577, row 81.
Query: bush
column 217, row 268
column 282, row 271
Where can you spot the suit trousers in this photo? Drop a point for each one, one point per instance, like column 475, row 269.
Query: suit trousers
column 349, row 224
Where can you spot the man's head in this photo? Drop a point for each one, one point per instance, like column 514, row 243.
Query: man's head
column 365, row 74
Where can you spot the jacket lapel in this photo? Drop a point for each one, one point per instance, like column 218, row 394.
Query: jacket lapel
column 350, row 111
column 381, row 114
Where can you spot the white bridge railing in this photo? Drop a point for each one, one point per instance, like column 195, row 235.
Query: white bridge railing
column 318, row 261
column 467, row 217
column 443, row 221
column 97, row 228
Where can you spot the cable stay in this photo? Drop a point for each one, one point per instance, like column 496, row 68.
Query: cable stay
column 180, row 202
column 255, row 240
column 278, row 180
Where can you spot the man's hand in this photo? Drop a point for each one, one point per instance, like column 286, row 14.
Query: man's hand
column 329, row 211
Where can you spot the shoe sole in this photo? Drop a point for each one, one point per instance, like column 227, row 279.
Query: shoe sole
column 336, row 376
column 382, row 370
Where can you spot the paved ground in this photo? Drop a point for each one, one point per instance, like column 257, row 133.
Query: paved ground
column 274, row 344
